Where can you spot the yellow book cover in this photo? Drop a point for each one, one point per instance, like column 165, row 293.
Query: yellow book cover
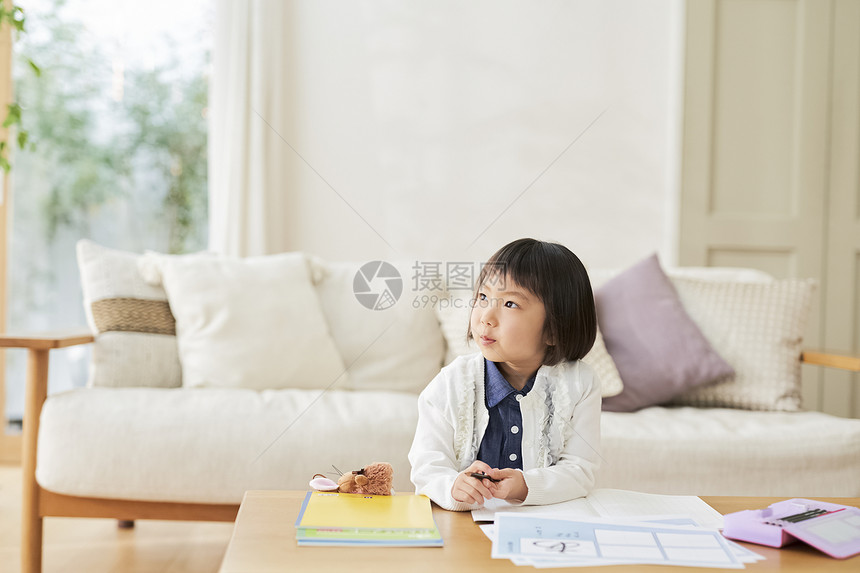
column 352, row 510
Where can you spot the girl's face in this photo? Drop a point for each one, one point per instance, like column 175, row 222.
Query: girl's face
column 507, row 324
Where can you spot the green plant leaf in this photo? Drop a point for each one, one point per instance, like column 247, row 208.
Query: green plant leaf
column 36, row 69
column 15, row 16
column 13, row 115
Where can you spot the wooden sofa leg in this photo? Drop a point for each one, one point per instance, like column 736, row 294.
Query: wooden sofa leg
column 31, row 545
column 31, row 518
column 125, row 523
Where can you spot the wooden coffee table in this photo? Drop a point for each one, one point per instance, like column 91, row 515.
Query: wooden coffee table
column 264, row 539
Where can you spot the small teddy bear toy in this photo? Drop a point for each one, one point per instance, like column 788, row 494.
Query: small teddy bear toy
column 372, row 479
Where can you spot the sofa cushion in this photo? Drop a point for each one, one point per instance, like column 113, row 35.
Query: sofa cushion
column 210, row 445
column 135, row 332
column 723, row 451
column 658, row 349
column 758, row 328
column 399, row 348
column 251, row 322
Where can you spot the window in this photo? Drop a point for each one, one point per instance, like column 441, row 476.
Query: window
column 117, row 121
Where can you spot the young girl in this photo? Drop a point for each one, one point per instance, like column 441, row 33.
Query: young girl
column 525, row 411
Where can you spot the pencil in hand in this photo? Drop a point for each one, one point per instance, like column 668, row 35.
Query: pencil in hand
column 480, row 475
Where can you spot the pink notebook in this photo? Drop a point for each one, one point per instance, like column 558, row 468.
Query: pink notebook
column 829, row 527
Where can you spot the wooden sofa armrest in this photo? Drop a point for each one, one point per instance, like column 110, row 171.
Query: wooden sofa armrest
column 39, row 347
column 830, row 360
column 47, row 340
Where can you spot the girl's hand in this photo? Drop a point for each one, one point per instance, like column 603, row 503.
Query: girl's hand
column 512, row 487
column 468, row 489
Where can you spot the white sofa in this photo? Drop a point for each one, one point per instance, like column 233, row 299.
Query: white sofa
column 133, row 452
column 210, row 445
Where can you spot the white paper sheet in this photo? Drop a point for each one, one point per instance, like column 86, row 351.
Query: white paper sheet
column 614, row 503
column 577, row 507
column 624, row 503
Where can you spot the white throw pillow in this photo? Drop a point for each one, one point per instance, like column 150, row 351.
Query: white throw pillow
column 247, row 323
column 135, row 341
column 399, row 348
column 453, row 314
column 757, row 327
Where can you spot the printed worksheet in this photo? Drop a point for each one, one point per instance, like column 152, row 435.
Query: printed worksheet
column 551, row 538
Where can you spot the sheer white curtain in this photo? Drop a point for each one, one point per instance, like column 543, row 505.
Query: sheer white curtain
column 248, row 101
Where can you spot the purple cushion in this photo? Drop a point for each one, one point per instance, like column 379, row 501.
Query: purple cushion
column 658, row 349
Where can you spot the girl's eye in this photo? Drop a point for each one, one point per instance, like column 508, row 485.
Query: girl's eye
column 511, row 304
column 482, row 296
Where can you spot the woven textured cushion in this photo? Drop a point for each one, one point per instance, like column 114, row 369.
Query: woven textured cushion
column 658, row 349
column 247, row 323
column 135, row 342
column 758, row 329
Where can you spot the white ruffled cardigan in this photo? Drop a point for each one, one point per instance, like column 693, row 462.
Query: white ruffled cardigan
column 561, row 431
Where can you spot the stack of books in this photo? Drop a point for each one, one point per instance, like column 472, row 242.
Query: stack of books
column 369, row 520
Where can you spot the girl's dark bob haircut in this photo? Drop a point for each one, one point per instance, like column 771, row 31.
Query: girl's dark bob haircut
column 559, row 279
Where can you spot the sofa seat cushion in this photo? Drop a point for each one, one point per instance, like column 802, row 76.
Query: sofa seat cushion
column 716, row 451
column 211, row 445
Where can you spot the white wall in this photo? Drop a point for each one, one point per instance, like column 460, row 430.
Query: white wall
column 426, row 130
